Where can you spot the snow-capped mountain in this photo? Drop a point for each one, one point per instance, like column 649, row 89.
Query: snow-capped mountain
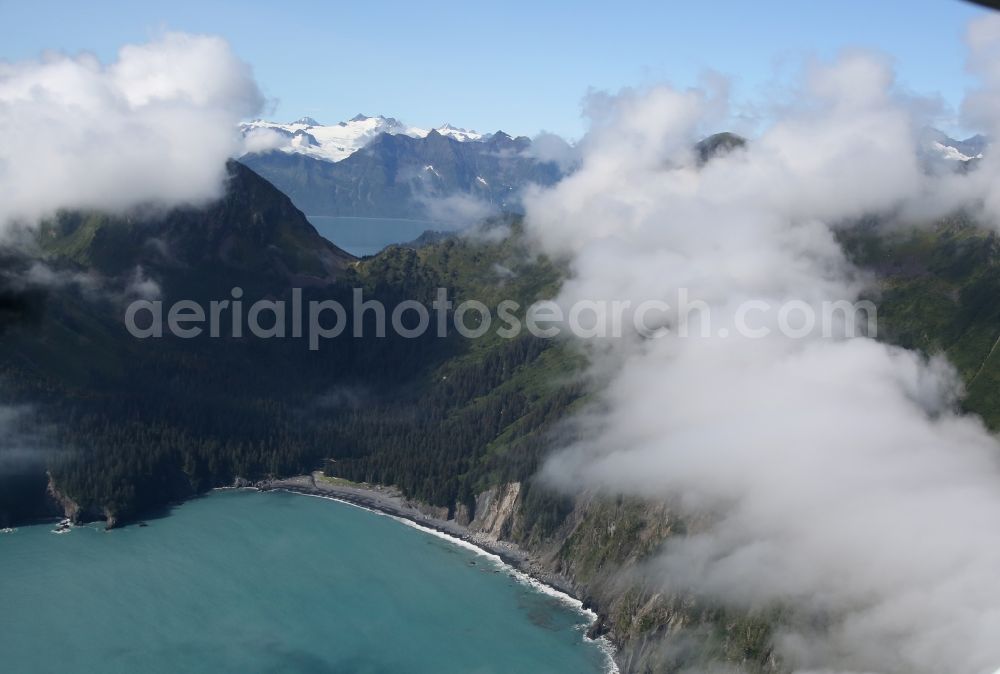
column 335, row 142
column 400, row 175
column 939, row 145
column 459, row 133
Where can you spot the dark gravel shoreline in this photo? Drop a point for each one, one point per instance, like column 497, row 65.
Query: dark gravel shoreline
column 390, row 501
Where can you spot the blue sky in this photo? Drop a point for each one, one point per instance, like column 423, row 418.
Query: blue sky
column 519, row 66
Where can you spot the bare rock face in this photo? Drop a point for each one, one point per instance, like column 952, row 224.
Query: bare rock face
column 496, row 511
column 76, row 514
column 70, row 508
column 110, row 519
column 463, row 515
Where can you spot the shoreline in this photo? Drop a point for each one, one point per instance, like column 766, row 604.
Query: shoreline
column 390, row 502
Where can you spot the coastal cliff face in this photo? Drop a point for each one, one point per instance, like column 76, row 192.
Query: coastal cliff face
column 72, row 510
column 497, row 512
column 601, row 549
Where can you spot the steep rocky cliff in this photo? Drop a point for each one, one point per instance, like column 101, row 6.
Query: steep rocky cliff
column 601, row 549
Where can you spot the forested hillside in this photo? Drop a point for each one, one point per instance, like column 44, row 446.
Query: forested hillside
column 133, row 424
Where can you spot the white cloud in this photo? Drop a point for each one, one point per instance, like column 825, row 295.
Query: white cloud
column 838, row 477
column 455, row 211
column 552, row 148
column 25, row 442
column 154, row 127
column 262, row 139
column 141, row 286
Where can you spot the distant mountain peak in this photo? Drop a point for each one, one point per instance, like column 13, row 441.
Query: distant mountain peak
column 253, row 232
column 717, row 145
column 399, row 175
column 335, row 142
column 937, row 145
column 458, row 133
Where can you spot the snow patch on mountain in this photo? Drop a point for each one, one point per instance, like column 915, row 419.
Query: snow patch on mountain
column 335, row 142
column 938, row 145
column 458, row 133
column 953, row 153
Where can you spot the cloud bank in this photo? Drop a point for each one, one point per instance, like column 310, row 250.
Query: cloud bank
column 840, row 479
column 153, row 127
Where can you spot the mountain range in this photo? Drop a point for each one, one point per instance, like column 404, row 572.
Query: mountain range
column 379, row 167
column 383, row 168
column 936, row 142
column 334, row 142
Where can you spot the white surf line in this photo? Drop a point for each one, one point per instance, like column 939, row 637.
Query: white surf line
column 603, row 643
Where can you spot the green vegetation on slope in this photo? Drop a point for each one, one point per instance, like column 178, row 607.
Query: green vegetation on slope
column 150, row 421
column 938, row 291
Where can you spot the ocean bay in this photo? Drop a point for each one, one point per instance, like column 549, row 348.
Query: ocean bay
column 249, row 581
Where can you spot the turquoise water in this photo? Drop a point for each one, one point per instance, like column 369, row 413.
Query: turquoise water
column 272, row 582
column 367, row 236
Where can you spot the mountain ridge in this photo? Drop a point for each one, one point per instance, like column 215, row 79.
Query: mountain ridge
column 253, row 232
column 336, row 142
column 396, row 175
